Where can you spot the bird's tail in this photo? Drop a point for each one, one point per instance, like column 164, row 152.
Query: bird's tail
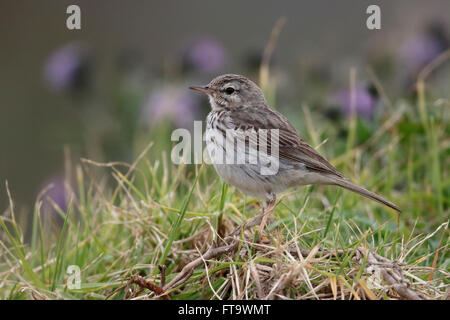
column 364, row 192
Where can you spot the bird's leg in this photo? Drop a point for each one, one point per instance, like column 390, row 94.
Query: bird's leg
column 260, row 219
column 270, row 205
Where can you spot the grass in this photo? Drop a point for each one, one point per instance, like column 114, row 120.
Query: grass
column 126, row 220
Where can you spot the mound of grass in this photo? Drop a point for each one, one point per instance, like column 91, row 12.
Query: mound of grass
column 155, row 230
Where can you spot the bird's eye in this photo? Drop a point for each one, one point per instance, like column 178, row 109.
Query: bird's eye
column 229, row 90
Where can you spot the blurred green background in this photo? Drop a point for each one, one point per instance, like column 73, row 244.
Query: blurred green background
column 107, row 90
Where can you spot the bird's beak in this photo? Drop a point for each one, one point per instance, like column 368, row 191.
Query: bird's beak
column 202, row 89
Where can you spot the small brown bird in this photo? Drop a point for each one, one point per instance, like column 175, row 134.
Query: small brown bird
column 240, row 113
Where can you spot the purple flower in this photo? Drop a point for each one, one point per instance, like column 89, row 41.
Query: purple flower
column 365, row 101
column 67, row 68
column 420, row 49
column 205, row 55
column 173, row 104
column 54, row 192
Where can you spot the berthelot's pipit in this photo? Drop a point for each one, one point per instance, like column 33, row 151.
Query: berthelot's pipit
column 239, row 107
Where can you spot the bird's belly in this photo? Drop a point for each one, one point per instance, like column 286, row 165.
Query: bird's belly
column 247, row 179
column 246, row 176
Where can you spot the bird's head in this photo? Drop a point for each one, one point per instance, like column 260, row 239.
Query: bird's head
column 232, row 91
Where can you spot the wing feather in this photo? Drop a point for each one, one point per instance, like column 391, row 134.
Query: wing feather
column 291, row 146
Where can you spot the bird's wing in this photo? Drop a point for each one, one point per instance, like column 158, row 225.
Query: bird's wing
column 290, row 146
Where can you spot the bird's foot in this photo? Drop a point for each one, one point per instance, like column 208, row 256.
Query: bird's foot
column 264, row 239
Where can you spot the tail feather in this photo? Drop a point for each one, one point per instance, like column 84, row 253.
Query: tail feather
column 364, row 192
